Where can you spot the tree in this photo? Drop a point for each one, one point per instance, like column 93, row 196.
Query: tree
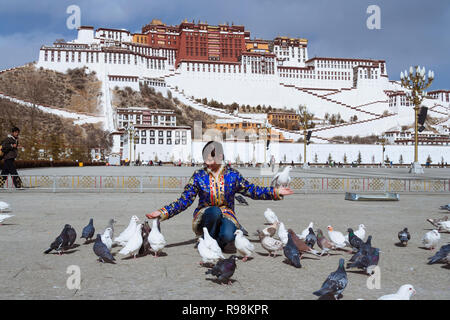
column 359, row 157
column 345, row 158
column 316, row 158
column 429, row 159
column 330, row 158
column 373, row 158
column 400, row 160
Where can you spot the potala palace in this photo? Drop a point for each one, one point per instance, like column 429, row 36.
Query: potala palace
column 197, row 60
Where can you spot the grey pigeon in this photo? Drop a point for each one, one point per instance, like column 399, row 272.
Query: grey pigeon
column 241, row 199
column 224, row 269
column 60, row 242
column 291, row 252
column 72, row 235
column 354, row 240
column 88, row 231
column 102, row 251
column 335, row 284
column 441, row 255
column 446, row 207
column 404, row 237
column 311, row 238
column 363, row 249
column 366, row 261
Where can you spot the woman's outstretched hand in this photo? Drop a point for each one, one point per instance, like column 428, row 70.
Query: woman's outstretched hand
column 284, row 191
column 154, row 214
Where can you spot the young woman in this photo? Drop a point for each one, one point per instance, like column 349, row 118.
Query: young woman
column 216, row 184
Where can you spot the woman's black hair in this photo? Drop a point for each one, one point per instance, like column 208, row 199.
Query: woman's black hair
column 14, row 129
column 214, row 149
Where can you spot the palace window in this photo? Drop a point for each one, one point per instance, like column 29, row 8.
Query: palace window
column 160, row 141
column 152, row 140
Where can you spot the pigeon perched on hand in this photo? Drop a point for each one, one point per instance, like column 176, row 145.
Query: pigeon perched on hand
column 305, row 232
column 336, row 237
column 102, row 251
column 134, row 243
column 441, row 255
column 243, row 245
column 301, row 245
column 282, row 233
column 335, row 283
column 88, row 231
column 126, row 234
column 270, row 244
column 405, row 292
column 106, row 238
column 431, row 239
column 270, row 216
column 354, row 240
column 224, row 269
column 241, row 199
column 292, row 253
column 282, row 178
column 311, row 238
column 404, row 237
column 145, row 247
column 155, row 238
column 60, row 242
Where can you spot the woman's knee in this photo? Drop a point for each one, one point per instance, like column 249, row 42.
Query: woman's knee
column 214, row 212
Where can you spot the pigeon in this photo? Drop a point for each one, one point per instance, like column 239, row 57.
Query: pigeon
column 241, row 199
column 111, row 225
column 354, row 240
column 305, row 232
column 360, row 233
column 270, row 244
column 60, row 242
column 134, row 243
column 270, row 216
column 435, row 222
column 224, row 269
column 444, row 226
column 243, row 245
column 364, row 249
column 282, row 178
column 128, row 232
column 336, row 237
column 292, row 253
column 282, row 233
column 270, row 230
column 335, row 283
column 311, row 238
column 431, row 239
column 102, row 251
column 88, row 231
column 106, row 238
column 366, row 261
column 208, row 256
column 145, row 248
column 4, row 207
column 446, row 207
column 71, row 234
column 441, row 255
column 404, row 237
column 324, row 243
column 301, row 245
column 5, row 216
column 404, row 293
column 155, row 238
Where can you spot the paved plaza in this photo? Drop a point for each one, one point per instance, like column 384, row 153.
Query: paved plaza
column 27, row 273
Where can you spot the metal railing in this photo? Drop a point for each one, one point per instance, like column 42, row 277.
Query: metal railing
column 108, row 183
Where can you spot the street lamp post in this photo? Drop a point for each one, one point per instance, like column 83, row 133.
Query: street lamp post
column 131, row 133
column 416, row 82
column 304, row 122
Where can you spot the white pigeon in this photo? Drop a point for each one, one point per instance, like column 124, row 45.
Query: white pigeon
column 211, row 243
column 360, row 233
column 305, row 232
column 208, row 255
column 444, row 226
column 3, row 217
column 404, row 293
column 431, row 239
column 106, row 237
column 156, row 239
column 271, row 245
column 282, row 233
column 270, row 216
column 243, row 245
column 134, row 243
column 336, row 237
column 282, row 178
column 4, row 207
column 126, row 234
column 272, row 229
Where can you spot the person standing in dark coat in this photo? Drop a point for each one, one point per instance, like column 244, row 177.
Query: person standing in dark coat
column 10, row 152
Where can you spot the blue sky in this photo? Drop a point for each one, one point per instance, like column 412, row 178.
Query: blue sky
column 413, row 32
